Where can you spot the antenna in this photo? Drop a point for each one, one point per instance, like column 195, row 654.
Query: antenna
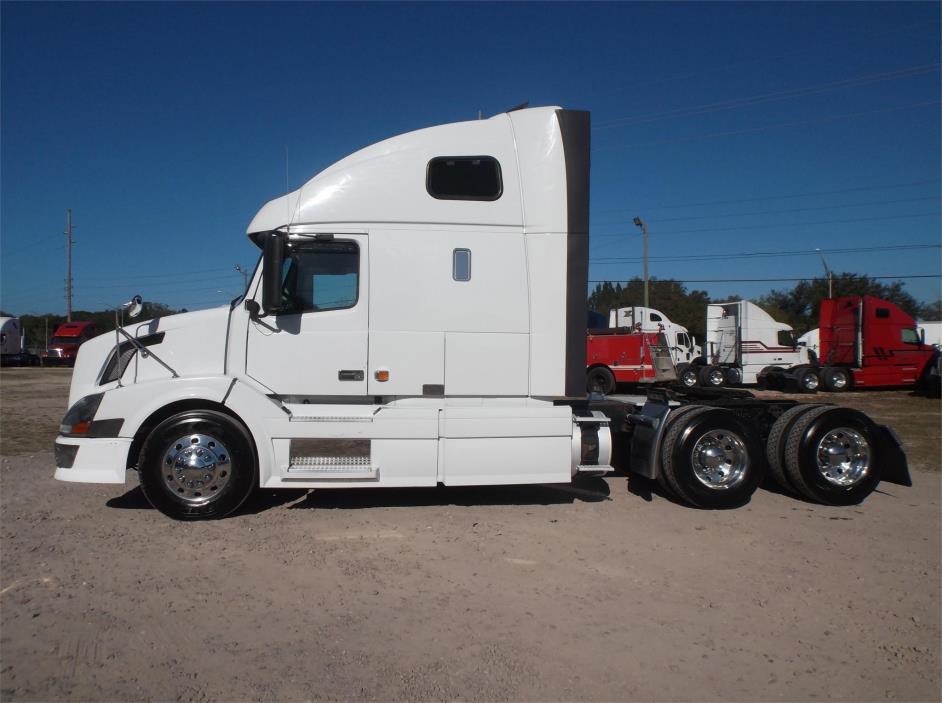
column 68, row 275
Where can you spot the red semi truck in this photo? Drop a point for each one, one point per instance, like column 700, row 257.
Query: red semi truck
column 865, row 342
column 66, row 341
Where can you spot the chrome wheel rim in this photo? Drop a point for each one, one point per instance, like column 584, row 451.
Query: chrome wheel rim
column 716, row 377
column 838, row 380
column 811, row 381
column 719, row 459
column 196, row 467
column 689, row 378
column 843, row 457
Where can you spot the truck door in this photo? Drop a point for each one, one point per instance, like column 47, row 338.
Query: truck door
column 319, row 346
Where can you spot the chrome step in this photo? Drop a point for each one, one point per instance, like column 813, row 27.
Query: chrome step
column 593, row 469
column 335, row 467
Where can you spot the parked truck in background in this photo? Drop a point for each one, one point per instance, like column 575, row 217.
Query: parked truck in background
column 866, row 342
column 418, row 318
column 13, row 348
column 65, row 343
column 743, row 340
column 619, row 356
column 683, row 345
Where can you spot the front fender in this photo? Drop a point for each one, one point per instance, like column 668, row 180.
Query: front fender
column 135, row 403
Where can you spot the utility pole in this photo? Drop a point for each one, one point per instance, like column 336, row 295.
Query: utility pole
column 644, row 233
column 829, row 274
column 68, row 276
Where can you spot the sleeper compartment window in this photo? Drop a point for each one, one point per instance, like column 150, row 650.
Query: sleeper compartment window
column 464, row 178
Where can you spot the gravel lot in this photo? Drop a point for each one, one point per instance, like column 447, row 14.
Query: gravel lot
column 600, row 591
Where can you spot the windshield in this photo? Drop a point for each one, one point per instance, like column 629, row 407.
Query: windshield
column 64, row 340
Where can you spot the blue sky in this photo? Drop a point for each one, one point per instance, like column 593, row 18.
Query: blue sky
column 731, row 128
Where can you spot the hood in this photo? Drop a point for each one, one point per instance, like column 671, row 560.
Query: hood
column 191, row 343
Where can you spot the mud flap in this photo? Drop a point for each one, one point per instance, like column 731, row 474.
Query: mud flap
column 893, row 465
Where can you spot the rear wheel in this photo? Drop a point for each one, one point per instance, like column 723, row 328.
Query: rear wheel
column 712, row 459
column 830, row 456
column 600, row 380
column 672, row 419
column 197, row 465
column 835, row 379
column 775, row 445
column 712, row 376
column 733, row 376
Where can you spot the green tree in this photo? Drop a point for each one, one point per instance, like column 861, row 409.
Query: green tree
column 799, row 306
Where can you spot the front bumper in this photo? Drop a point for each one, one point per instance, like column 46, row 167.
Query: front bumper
column 92, row 460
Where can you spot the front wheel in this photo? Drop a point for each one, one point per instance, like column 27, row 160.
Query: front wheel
column 600, row 380
column 807, row 379
column 712, row 459
column 198, row 465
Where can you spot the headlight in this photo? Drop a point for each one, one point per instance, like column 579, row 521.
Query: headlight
column 77, row 420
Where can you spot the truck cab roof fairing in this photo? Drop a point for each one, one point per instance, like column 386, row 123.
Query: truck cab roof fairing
column 369, row 186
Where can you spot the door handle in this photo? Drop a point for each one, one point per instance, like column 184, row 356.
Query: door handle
column 350, row 375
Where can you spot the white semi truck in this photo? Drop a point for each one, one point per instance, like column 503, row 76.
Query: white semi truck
column 742, row 340
column 418, row 317
column 13, row 348
column 683, row 345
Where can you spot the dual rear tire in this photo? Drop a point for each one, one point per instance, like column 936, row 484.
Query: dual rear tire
column 824, row 453
column 710, row 458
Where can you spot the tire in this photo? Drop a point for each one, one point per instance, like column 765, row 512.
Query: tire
column 807, row 379
column 687, row 375
column 712, row 376
column 697, row 450
column 673, row 418
column 835, row 379
column 831, row 456
column 181, row 491
column 775, row 445
column 600, row 379
column 733, row 376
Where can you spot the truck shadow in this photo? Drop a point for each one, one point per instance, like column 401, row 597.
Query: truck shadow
column 587, row 490
column 583, row 490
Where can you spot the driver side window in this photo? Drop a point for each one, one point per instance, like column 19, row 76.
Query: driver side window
column 321, row 275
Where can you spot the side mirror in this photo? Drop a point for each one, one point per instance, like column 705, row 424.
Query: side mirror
column 922, row 335
column 273, row 261
column 254, row 309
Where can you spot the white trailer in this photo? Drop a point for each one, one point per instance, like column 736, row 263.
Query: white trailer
column 417, row 318
column 683, row 345
column 742, row 340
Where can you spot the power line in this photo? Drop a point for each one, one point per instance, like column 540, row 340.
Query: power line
column 936, row 213
column 677, row 206
column 765, row 128
column 762, row 59
column 749, row 101
column 753, row 280
column 789, row 210
column 765, row 254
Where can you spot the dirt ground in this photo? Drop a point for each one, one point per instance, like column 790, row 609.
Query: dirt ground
column 604, row 590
